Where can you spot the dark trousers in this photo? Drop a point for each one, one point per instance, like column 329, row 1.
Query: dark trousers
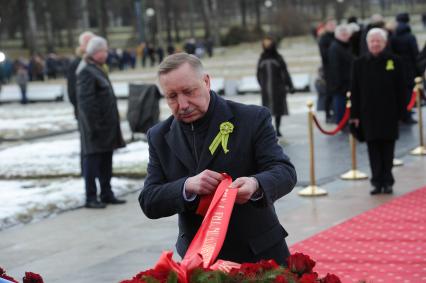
column 98, row 165
column 328, row 103
column 381, row 154
column 339, row 103
column 23, row 88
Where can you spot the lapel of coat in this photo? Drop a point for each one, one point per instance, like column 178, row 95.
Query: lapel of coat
column 221, row 114
column 177, row 142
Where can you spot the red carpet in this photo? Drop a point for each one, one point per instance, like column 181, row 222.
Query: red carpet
column 385, row 244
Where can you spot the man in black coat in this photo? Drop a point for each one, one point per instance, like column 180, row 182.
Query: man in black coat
column 378, row 101
column 99, row 124
column 404, row 44
column 324, row 44
column 83, row 39
column 340, row 63
column 182, row 169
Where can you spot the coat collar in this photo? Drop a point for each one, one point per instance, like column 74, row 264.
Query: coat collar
column 176, row 140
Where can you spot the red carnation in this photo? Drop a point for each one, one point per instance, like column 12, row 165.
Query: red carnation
column 330, row 278
column 32, row 278
column 280, row 279
column 300, row 263
column 309, row 278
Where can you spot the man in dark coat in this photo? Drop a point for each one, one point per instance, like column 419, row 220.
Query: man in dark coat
column 181, row 167
column 324, row 43
column 378, row 95
column 404, row 44
column 99, row 124
column 83, row 39
column 340, row 63
column 274, row 80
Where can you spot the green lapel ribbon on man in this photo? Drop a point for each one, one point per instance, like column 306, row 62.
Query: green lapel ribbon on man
column 222, row 137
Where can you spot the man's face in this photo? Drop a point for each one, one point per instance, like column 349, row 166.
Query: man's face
column 187, row 93
column 101, row 55
column 376, row 43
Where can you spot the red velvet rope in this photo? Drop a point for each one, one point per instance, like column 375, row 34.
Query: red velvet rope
column 339, row 127
column 412, row 100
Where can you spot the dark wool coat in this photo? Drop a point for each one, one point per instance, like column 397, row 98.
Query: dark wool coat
column 404, row 44
column 72, row 84
column 254, row 231
column 340, row 63
column 98, row 114
column 324, row 44
column 274, row 79
column 378, row 95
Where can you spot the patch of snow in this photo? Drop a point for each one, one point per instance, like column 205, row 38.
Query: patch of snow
column 31, row 200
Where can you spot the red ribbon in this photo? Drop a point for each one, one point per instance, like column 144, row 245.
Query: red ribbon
column 208, row 241
column 339, row 127
column 412, row 100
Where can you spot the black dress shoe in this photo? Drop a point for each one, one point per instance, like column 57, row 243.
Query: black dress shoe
column 95, row 204
column 388, row 190
column 113, row 200
column 376, row 191
column 409, row 121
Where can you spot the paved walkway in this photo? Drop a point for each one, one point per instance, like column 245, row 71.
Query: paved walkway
column 114, row 244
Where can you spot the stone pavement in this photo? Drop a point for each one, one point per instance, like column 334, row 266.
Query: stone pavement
column 114, row 244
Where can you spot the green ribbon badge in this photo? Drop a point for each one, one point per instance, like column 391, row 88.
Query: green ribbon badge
column 222, row 137
column 389, row 65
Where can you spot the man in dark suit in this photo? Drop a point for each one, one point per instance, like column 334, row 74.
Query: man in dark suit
column 182, row 169
column 377, row 105
column 99, row 123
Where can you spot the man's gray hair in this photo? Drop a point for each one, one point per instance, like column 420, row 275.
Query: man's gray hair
column 341, row 30
column 96, row 44
column 174, row 61
column 83, row 37
column 378, row 31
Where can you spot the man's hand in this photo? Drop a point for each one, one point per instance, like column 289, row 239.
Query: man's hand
column 204, row 183
column 246, row 186
column 355, row 122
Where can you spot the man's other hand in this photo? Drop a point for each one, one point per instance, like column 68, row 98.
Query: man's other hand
column 204, row 183
column 246, row 186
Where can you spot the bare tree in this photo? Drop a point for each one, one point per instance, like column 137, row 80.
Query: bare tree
column 243, row 8
column 48, row 32
column 103, row 18
column 70, row 22
column 84, row 15
column 32, row 34
column 257, row 4
column 176, row 18
column 206, row 18
column 191, row 18
column 167, row 7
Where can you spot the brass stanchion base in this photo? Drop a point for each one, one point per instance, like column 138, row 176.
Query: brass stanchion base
column 398, row 162
column 420, row 150
column 311, row 191
column 354, row 175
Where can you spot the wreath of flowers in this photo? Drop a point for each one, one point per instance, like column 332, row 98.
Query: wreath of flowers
column 299, row 270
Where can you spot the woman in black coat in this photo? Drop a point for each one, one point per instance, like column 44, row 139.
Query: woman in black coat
column 378, row 102
column 274, row 80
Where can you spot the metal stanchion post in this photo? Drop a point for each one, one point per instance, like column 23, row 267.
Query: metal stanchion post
column 420, row 150
column 312, row 189
column 354, row 173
